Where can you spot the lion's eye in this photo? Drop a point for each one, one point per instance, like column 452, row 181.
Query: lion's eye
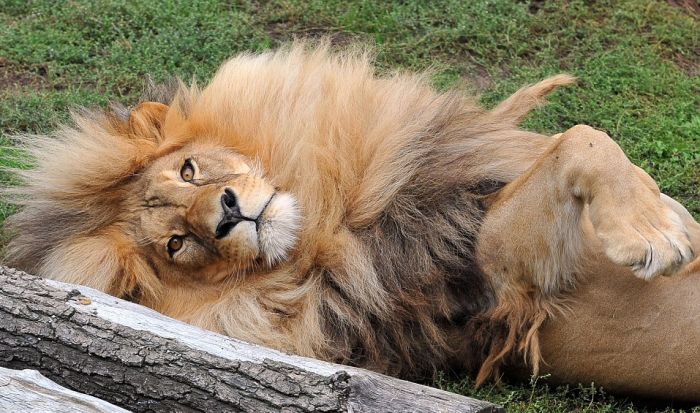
column 174, row 244
column 187, row 171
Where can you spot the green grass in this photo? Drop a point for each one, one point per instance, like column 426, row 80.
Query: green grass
column 638, row 64
column 540, row 396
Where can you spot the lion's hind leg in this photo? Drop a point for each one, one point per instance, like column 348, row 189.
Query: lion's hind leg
column 533, row 243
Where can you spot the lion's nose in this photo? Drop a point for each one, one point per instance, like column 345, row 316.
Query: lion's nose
column 231, row 214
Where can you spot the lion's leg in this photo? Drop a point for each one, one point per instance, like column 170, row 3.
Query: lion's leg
column 535, row 223
column 532, row 244
column 628, row 335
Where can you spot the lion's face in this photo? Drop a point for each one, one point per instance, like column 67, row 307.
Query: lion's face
column 207, row 212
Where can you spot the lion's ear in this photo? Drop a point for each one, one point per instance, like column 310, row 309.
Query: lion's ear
column 146, row 120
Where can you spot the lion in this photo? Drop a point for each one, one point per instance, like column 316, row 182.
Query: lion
column 302, row 202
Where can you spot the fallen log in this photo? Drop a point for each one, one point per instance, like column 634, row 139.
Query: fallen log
column 29, row 391
column 138, row 359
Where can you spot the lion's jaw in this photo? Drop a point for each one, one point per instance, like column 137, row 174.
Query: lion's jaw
column 206, row 212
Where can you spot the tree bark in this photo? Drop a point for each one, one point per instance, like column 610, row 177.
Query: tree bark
column 138, row 359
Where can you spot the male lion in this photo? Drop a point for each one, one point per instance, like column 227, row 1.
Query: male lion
column 303, row 203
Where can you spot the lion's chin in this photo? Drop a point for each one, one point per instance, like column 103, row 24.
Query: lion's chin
column 278, row 228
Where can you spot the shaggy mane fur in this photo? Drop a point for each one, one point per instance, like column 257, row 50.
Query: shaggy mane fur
column 392, row 179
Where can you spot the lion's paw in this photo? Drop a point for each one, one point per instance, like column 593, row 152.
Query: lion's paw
column 651, row 242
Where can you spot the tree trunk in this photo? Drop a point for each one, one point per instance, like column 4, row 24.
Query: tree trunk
column 138, row 359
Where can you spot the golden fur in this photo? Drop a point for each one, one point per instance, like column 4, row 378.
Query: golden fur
column 370, row 259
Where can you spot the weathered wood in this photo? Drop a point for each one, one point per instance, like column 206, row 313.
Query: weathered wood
column 29, row 391
column 133, row 357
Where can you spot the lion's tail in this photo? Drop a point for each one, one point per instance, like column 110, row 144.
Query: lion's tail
column 514, row 109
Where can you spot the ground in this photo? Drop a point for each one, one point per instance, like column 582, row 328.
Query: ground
column 637, row 61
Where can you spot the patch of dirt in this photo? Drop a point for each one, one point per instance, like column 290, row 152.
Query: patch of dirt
column 689, row 66
column 15, row 75
column 282, row 32
column 535, row 6
column 692, row 7
column 477, row 80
